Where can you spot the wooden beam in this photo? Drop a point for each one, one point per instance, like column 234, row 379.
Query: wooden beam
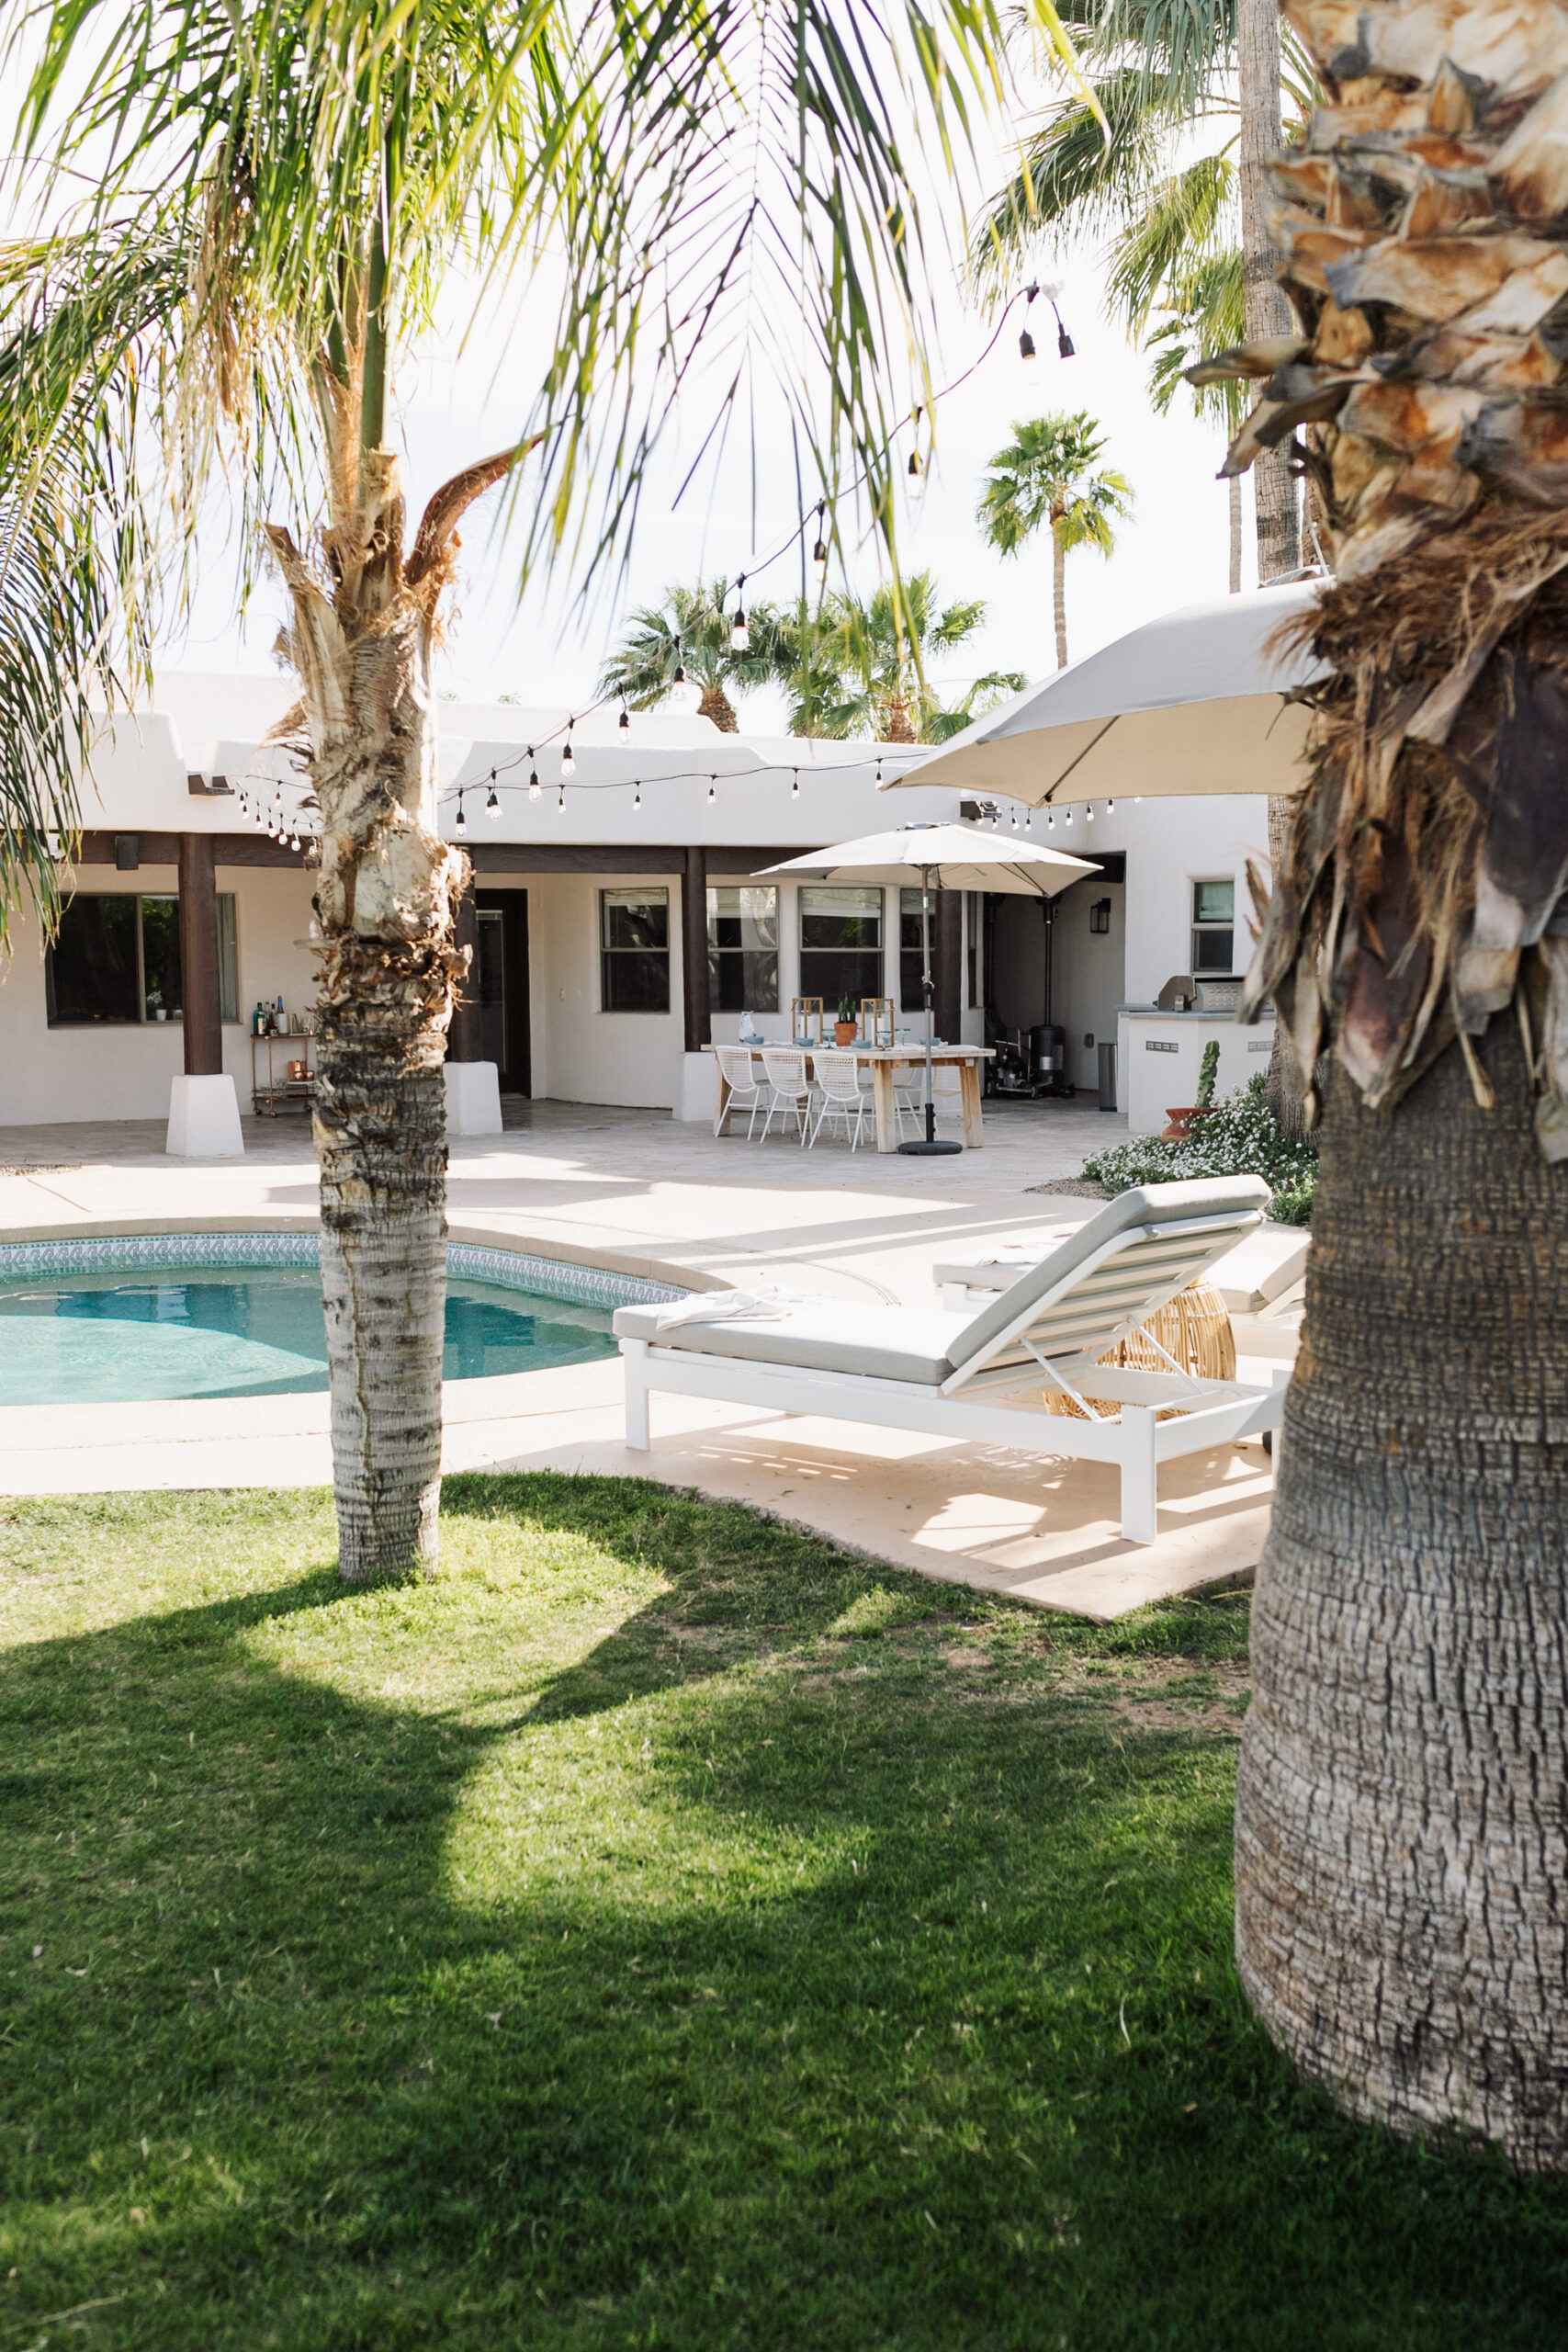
column 163, row 849
column 613, row 857
column 695, row 947
column 463, row 1036
column 201, row 993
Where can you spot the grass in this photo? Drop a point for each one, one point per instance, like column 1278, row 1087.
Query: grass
column 659, row 1929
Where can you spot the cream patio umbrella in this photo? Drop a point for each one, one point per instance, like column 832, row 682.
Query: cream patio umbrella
column 1194, row 702
column 945, row 857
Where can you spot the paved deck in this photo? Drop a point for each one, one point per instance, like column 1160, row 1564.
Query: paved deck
column 635, row 1190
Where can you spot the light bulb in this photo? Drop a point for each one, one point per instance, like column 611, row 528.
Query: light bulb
column 533, row 784
column 1064, row 340
column 1088, row 813
column 710, row 792
column 1013, row 819
column 1067, row 817
column 819, row 552
column 740, row 635
column 1050, row 820
column 560, row 804
column 1109, row 806
column 492, row 805
column 795, row 788
column 914, row 481
column 1026, row 345
column 462, row 825
column 637, row 798
column 567, row 760
column 624, row 721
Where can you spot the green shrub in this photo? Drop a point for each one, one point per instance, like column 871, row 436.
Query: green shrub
column 1241, row 1137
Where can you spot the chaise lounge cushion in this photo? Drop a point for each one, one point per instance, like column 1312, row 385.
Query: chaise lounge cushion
column 870, row 1342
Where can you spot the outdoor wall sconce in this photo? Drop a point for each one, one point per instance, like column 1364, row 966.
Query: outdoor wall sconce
column 1100, row 915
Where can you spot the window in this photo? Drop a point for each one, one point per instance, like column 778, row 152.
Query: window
column 911, row 996
column 971, row 905
column 743, row 948
column 1213, row 926
column 116, row 958
column 634, row 959
column 840, row 945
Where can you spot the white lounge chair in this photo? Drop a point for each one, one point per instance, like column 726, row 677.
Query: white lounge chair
column 970, row 1376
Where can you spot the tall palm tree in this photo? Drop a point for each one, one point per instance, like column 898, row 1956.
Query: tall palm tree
column 1166, row 74
column 235, row 220
column 1401, row 1813
column 692, row 630
column 1203, row 311
column 859, row 666
column 1050, row 474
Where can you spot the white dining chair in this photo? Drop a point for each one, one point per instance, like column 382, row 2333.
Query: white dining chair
column 747, row 1086
column 789, row 1090
column 840, row 1095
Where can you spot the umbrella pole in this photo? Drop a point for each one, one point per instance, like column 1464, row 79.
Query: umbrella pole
column 930, row 1144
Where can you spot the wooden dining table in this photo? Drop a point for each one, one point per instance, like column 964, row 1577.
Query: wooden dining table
column 882, row 1061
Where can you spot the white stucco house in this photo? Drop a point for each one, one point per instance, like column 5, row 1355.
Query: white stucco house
column 616, row 922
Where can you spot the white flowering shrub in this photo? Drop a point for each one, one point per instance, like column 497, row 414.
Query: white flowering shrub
column 1241, row 1137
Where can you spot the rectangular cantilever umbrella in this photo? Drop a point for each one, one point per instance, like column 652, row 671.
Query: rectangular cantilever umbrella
column 1193, row 702
column 946, row 857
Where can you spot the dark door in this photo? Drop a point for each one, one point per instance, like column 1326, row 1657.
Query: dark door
column 501, row 966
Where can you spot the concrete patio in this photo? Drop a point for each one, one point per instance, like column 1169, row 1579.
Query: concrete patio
column 638, row 1192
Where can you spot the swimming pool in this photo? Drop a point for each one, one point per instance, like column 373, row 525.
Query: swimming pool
column 145, row 1319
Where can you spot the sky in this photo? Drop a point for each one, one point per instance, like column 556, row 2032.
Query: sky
column 460, row 395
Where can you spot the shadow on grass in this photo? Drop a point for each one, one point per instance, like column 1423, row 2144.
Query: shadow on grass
column 765, row 1975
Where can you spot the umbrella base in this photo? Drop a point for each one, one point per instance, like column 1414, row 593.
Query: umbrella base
column 919, row 1150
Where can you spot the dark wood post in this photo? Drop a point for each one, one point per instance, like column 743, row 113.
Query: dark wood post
column 694, row 948
column 201, row 993
column 947, row 966
column 463, row 1036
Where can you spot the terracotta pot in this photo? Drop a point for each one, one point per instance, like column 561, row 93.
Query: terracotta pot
column 1181, row 1128
column 845, row 1032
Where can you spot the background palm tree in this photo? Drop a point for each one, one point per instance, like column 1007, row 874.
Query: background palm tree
column 860, row 666
column 1049, row 475
column 232, row 219
column 1165, row 75
column 1203, row 311
column 1402, row 1823
column 642, row 667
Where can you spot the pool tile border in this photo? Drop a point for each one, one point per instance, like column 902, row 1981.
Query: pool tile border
column 144, row 1252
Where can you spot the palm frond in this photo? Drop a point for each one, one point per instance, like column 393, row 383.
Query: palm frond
column 1188, row 213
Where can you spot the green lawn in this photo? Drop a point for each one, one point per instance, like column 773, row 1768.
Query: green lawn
column 660, row 1929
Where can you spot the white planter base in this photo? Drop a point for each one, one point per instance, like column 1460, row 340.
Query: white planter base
column 698, row 1079
column 204, row 1119
column 473, row 1099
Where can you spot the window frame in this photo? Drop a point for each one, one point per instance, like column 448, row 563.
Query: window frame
column 1207, row 927
column 718, row 956
column 627, row 894
column 228, row 962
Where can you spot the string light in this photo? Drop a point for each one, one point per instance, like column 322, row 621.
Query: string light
column 679, row 690
column 1050, row 820
column 819, row 552
column 740, row 635
column 568, row 758
column 637, row 798
column 1013, row 819
column 624, row 721
column 711, row 781
column 1026, row 341
column 1108, row 807
column 1089, row 812
column 560, row 804
column 795, row 788
column 1067, row 817
column 492, row 805
column 533, row 784
column 462, row 825
column 1027, row 826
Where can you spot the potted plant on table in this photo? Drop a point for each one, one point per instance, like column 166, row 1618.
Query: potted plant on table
column 1181, row 1128
column 846, row 1028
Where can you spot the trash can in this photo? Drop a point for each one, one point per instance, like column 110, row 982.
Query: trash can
column 1107, row 1077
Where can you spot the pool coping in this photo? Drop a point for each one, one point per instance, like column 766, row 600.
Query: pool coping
column 461, row 1232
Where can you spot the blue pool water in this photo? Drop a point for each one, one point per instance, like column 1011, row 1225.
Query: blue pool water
column 172, row 1331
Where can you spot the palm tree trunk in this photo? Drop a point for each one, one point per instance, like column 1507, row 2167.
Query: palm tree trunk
column 1402, row 1837
column 715, row 705
column 386, row 899
column 1268, row 307
column 1274, row 486
column 1234, row 488
column 1059, row 595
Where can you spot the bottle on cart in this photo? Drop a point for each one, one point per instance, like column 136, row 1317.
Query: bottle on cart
column 258, row 1020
